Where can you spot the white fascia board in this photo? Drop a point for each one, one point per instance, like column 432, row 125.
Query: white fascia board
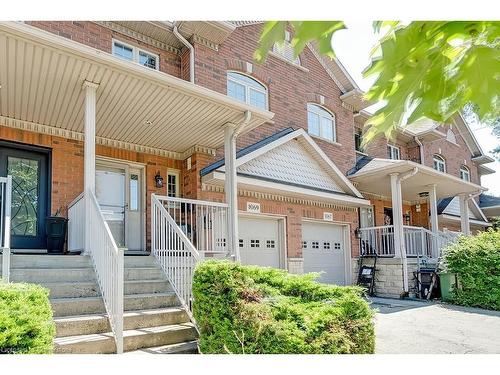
column 295, row 134
column 276, row 187
column 472, row 221
column 478, row 209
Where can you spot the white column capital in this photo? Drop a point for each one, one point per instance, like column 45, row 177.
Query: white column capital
column 88, row 84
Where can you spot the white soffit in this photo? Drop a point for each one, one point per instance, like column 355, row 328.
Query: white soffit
column 41, row 77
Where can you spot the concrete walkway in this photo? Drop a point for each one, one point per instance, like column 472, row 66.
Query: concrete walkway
column 415, row 327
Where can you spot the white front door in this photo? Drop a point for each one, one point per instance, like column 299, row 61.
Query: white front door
column 260, row 241
column 323, row 250
column 119, row 192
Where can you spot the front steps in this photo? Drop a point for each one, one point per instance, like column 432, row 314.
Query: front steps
column 154, row 321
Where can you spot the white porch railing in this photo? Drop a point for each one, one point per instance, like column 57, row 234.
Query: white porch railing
column 108, row 263
column 76, row 224
column 5, row 207
column 418, row 241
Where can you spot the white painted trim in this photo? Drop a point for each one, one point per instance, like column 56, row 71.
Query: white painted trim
column 177, row 174
column 293, row 135
column 392, row 148
column 346, row 229
column 313, row 108
column 282, row 233
column 135, row 53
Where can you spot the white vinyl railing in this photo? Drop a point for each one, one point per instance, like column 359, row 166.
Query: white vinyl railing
column 5, row 208
column 418, row 241
column 183, row 232
column 108, row 263
column 76, row 224
column 204, row 223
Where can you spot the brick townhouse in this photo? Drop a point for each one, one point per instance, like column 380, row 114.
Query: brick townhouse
column 193, row 147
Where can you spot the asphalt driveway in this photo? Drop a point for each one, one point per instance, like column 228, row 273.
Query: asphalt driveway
column 414, row 327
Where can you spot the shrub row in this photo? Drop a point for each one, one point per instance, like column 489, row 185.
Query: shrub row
column 246, row 309
column 476, row 261
column 26, row 324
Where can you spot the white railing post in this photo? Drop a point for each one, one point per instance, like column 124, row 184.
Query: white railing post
column 6, row 211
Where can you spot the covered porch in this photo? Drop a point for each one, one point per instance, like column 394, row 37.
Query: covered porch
column 406, row 183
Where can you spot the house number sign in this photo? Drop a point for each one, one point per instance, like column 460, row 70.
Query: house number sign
column 327, row 216
column 253, row 207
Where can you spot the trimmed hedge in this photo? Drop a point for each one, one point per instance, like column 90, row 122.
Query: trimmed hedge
column 247, row 309
column 476, row 261
column 26, row 324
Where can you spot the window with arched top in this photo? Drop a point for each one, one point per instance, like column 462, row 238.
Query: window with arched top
column 465, row 173
column 246, row 89
column 439, row 163
column 285, row 50
column 320, row 122
column 450, row 136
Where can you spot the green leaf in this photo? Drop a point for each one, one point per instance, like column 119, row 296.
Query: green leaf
column 272, row 32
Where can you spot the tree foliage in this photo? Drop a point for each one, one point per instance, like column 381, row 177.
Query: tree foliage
column 430, row 69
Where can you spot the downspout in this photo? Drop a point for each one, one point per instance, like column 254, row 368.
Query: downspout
column 404, row 262
column 421, row 148
column 191, row 51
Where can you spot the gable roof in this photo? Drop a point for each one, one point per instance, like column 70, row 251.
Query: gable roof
column 451, row 206
column 486, row 200
column 289, row 161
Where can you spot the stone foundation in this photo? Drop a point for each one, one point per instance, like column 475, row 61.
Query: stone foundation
column 389, row 276
column 296, row 266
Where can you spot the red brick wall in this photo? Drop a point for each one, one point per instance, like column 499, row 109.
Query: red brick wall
column 67, row 167
column 289, row 88
column 100, row 37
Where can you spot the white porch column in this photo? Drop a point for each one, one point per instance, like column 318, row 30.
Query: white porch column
column 231, row 190
column 464, row 214
column 433, row 208
column 89, row 154
column 397, row 217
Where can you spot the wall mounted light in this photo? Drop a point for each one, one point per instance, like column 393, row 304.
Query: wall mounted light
column 158, row 180
column 357, row 233
column 417, row 207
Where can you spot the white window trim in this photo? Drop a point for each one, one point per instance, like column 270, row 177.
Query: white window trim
column 465, row 169
column 135, row 53
column 177, row 174
column 333, row 118
column 394, row 148
column 265, row 91
column 440, row 160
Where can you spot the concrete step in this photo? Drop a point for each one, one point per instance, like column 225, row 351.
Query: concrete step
column 98, row 323
column 148, row 301
column 73, row 289
column 147, row 286
column 52, row 275
column 143, row 273
column 139, row 261
column 188, row 347
column 100, row 343
column 77, row 306
column 50, row 261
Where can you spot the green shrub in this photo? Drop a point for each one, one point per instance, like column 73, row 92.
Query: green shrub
column 26, row 324
column 246, row 309
column 476, row 261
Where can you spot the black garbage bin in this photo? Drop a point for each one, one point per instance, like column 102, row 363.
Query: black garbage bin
column 56, row 228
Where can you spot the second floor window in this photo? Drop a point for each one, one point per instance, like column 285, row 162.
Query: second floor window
column 393, row 152
column 320, row 122
column 358, row 140
column 464, row 173
column 439, row 163
column 134, row 54
column 285, row 50
column 246, row 89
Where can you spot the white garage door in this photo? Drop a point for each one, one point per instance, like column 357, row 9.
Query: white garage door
column 259, row 241
column 323, row 251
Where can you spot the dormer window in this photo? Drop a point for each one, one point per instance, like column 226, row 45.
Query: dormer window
column 285, row 50
column 131, row 53
column 439, row 163
column 465, row 173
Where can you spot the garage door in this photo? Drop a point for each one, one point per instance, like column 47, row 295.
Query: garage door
column 259, row 241
column 323, row 251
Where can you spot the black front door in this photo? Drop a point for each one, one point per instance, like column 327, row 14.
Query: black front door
column 30, row 194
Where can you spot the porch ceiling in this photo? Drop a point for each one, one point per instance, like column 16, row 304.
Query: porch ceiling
column 374, row 178
column 41, row 77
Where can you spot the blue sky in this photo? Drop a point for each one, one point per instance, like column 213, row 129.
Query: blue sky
column 353, row 47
